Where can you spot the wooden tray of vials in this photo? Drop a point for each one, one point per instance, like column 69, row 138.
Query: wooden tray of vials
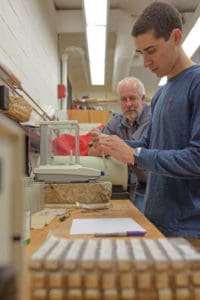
column 107, row 269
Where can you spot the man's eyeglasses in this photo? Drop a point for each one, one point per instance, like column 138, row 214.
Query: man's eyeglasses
column 131, row 99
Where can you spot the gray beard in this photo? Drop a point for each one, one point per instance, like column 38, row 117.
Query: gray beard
column 128, row 116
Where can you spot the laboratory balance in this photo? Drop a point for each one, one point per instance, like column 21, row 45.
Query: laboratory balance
column 69, row 168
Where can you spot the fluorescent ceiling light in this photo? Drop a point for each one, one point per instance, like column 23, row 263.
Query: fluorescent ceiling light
column 163, row 81
column 96, row 38
column 190, row 44
column 95, row 12
column 97, row 71
column 96, row 21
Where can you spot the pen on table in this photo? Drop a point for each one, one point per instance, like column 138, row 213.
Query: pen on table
column 118, row 234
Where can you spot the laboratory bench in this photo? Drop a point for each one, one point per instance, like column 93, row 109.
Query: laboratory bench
column 183, row 274
column 118, row 208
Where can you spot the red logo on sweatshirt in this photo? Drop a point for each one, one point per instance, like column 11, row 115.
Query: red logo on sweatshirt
column 170, row 103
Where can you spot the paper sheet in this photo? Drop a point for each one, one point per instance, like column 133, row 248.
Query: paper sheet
column 104, row 225
column 43, row 217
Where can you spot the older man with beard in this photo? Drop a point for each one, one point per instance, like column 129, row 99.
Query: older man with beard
column 131, row 124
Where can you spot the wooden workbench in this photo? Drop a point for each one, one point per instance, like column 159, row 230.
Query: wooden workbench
column 118, row 208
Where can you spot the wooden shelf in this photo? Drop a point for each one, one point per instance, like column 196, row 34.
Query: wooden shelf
column 100, row 101
column 88, row 115
column 94, row 101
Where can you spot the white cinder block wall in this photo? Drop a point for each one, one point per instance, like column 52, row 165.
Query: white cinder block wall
column 28, row 46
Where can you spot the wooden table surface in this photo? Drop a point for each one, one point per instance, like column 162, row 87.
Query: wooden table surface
column 118, row 208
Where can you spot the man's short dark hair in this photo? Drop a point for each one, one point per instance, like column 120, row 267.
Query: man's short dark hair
column 160, row 17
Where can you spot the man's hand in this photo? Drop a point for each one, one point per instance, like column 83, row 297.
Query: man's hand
column 95, row 149
column 95, row 137
column 114, row 146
